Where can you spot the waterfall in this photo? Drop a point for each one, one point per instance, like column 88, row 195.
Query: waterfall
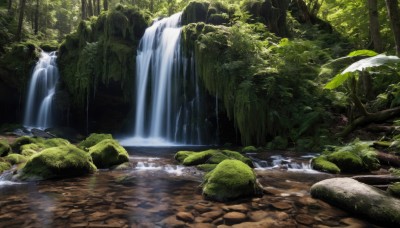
column 168, row 97
column 39, row 104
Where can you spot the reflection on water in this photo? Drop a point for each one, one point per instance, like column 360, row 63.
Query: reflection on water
column 158, row 191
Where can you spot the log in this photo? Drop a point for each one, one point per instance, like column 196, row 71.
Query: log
column 377, row 179
column 388, row 159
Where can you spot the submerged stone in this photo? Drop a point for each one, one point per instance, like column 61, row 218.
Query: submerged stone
column 231, row 179
column 108, row 153
column 358, row 198
column 57, row 162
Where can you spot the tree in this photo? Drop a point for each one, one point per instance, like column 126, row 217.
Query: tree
column 98, row 7
column 9, row 5
column 90, row 9
column 393, row 11
column 105, row 4
column 36, row 29
column 374, row 27
column 83, row 8
column 20, row 20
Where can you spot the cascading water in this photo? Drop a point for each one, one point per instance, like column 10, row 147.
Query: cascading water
column 39, row 105
column 169, row 100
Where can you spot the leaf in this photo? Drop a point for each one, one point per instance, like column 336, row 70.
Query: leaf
column 362, row 52
column 375, row 61
column 338, row 80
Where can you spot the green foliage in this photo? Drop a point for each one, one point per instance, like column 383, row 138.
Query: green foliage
column 362, row 53
column 229, row 180
column 322, row 164
column 57, row 162
column 108, row 153
column 93, row 139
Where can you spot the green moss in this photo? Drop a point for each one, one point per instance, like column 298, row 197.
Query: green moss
column 214, row 156
column 108, row 153
column 28, row 152
column 181, row 155
column 320, row 163
column 394, row 189
column 5, row 148
column 15, row 159
column 4, row 166
column 229, row 180
column 249, row 149
column 31, row 147
column 24, row 140
column 346, row 161
column 93, row 139
column 57, row 162
column 206, row 167
column 56, row 142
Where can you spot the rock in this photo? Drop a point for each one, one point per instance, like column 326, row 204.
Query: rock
column 238, row 207
column 15, row 159
column 320, row 163
column 93, row 139
column 5, row 148
column 282, row 205
column 354, row 223
column 212, row 214
column 203, row 225
column 185, row 216
column 231, row 218
column 57, row 162
column 229, row 180
column 257, row 216
column 212, row 156
column 249, row 149
column 359, row 198
column 201, row 208
column 202, row 220
column 268, row 222
column 347, row 161
column 4, row 166
column 304, row 219
column 108, row 153
column 172, row 221
column 394, row 189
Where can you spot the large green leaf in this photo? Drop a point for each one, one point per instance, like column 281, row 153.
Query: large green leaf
column 362, row 53
column 337, row 81
column 374, row 61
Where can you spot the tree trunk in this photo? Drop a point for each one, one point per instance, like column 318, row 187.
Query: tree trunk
column 105, row 4
column 90, row 8
column 98, row 7
column 376, row 179
column 84, row 13
column 374, row 28
column 20, row 20
column 393, row 11
column 388, row 159
column 9, row 5
column 36, row 30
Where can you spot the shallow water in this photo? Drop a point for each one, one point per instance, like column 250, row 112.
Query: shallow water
column 155, row 190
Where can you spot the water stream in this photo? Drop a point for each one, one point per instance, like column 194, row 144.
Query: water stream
column 39, row 110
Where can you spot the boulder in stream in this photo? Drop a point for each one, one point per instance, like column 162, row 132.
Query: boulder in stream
column 358, row 198
column 108, row 153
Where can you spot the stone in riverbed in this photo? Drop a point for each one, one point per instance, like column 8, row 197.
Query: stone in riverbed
column 213, row 214
column 282, row 205
column 108, row 153
column 231, row 218
column 358, row 198
column 185, row 216
column 238, row 207
column 304, row 219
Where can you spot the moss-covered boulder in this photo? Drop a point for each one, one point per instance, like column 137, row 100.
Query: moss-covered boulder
column 5, row 148
column 93, row 139
column 249, row 149
column 320, row 163
column 360, row 199
column 394, row 189
column 4, row 166
column 57, row 162
column 108, row 153
column 347, row 161
column 25, row 140
column 212, row 156
column 231, row 179
column 15, row 159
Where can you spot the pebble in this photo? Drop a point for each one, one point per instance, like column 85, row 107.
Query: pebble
column 304, row 219
column 231, row 218
column 282, row 205
column 185, row 216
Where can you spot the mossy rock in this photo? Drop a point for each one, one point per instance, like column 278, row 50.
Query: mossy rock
column 28, row 152
column 230, row 180
column 394, row 189
column 15, row 159
column 214, row 156
column 206, row 167
column 347, row 161
column 181, row 155
column 249, row 149
column 57, row 162
column 5, row 148
column 93, row 139
column 24, row 140
column 320, row 163
column 54, row 142
column 108, row 153
column 4, row 166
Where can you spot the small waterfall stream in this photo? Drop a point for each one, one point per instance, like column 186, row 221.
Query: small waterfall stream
column 169, row 100
column 39, row 104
